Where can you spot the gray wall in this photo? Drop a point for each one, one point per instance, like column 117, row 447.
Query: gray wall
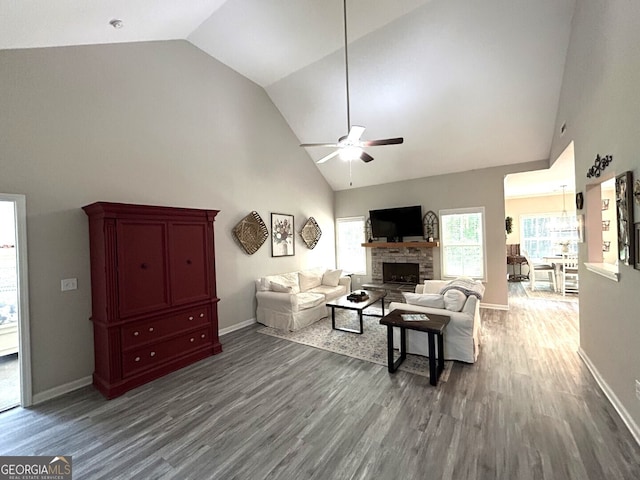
column 156, row 123
column 477, row 188
column 600, row 103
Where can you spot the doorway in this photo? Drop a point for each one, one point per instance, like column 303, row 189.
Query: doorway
column 15, row 371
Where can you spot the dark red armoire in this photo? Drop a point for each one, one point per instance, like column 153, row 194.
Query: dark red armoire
column 153, row 288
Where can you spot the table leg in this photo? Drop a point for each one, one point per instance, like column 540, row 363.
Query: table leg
column 440, row 354
column 382, row 300
column 361, row 324
column 333, row 318
column 391, row 364
column 433, row 369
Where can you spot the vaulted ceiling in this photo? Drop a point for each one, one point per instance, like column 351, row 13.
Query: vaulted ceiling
column 468, row 84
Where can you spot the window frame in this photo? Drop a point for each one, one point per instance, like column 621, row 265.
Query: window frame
column 443, row 246
column 353, row 219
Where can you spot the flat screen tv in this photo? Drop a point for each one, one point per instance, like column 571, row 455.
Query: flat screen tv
column 396, row 223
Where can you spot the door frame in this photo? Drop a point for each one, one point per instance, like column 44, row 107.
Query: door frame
column 24, row 339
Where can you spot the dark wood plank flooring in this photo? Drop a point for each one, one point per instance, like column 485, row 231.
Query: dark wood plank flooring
column 269, row 409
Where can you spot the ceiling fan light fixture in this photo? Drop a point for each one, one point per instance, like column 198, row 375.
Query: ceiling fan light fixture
column 350, row 153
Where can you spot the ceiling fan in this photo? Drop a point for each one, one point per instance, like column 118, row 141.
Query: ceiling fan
column 350, row 146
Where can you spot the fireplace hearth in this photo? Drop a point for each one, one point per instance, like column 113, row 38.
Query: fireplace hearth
column 401, row 273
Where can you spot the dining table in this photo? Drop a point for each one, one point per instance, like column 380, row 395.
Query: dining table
column 558, row 261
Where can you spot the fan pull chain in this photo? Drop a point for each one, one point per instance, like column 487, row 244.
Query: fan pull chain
column 350, row 178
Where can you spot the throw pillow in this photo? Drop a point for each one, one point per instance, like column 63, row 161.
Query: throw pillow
column 454, row 300
column 286, row 283
column 279, row 287
column 434, row 300
column 309, row 280
column 331, row 278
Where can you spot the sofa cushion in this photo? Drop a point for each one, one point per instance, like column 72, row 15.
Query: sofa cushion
column 434, row 286
column 309, row 300
column 331, row 278
column 329, row 292
column 454, row 300
column 434, row 300
column 309, row 279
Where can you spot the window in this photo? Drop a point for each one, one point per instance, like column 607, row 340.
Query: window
column 462, row 244
column 352, row 257
column 542, row 234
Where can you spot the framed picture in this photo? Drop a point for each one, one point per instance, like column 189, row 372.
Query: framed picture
column 580, row 219
column 624, row 215
column 282, row 244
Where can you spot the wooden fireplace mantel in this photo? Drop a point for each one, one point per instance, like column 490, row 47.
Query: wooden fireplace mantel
column 401, row 244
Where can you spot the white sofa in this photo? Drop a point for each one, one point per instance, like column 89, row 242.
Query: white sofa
column 462, row 336
column 291, row 301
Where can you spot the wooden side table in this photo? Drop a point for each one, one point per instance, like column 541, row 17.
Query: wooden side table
column 434, row 327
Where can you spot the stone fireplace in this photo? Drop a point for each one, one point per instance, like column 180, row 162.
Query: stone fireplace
column 420, row 256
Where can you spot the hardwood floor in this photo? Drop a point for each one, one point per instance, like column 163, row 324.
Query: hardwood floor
column 267, row 408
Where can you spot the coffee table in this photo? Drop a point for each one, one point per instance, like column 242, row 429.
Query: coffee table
column 434, row 327
column 342, row 302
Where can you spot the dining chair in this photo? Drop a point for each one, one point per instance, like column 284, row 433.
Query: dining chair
column 570, row 281
column 540, row 267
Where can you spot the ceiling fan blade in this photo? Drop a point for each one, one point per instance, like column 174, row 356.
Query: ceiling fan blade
column 355, row 133
column 319, row 145
column 328, row 157
column 365, row 157
column 386, row 141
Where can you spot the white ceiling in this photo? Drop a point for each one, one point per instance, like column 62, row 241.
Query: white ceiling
column 468, row 84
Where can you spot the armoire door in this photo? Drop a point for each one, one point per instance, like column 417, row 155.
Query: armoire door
column 142, row 266
column 189, row 262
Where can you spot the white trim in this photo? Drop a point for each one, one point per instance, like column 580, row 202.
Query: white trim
column 494, row 306
column 237, row 326
column 607, row 270
column 24, row 339
column 617, row 404
column 62, row 389
column 443, row 246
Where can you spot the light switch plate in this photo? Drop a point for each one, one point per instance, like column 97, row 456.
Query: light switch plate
column 68, row 284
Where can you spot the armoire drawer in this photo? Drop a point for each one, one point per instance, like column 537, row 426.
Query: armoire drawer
column 139, row 333
column 152, row 355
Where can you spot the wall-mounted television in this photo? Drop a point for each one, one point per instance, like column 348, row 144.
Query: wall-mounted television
column 396, row 223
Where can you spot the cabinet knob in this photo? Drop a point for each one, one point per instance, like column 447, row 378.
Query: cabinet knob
column 191, row 318
column 151, row 329
column 192, row 339
column 137, row 359
column 144, row 266
column 202, row 336
column 153, row 354
column 201, row 315
column 135, row 334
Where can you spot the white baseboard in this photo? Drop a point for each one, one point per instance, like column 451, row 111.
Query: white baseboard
column 237, row 326
column 494, row 306
column 61, row 390
column 626, row 418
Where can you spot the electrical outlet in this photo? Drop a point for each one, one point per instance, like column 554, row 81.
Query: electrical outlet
column 638, row 389
column 69, row 284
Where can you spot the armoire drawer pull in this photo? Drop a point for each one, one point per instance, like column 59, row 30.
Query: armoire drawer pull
column 192, row 339
column 152, row 354
column 191, row 318
column 137, row 359
column 151, row 329
column 135, row 334
column 202, row 336
column 201, row 315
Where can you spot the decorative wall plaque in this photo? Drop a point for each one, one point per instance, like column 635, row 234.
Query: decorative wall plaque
column 430, row 224
column 250, row 233
column 311, row 233
column 599, row 164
